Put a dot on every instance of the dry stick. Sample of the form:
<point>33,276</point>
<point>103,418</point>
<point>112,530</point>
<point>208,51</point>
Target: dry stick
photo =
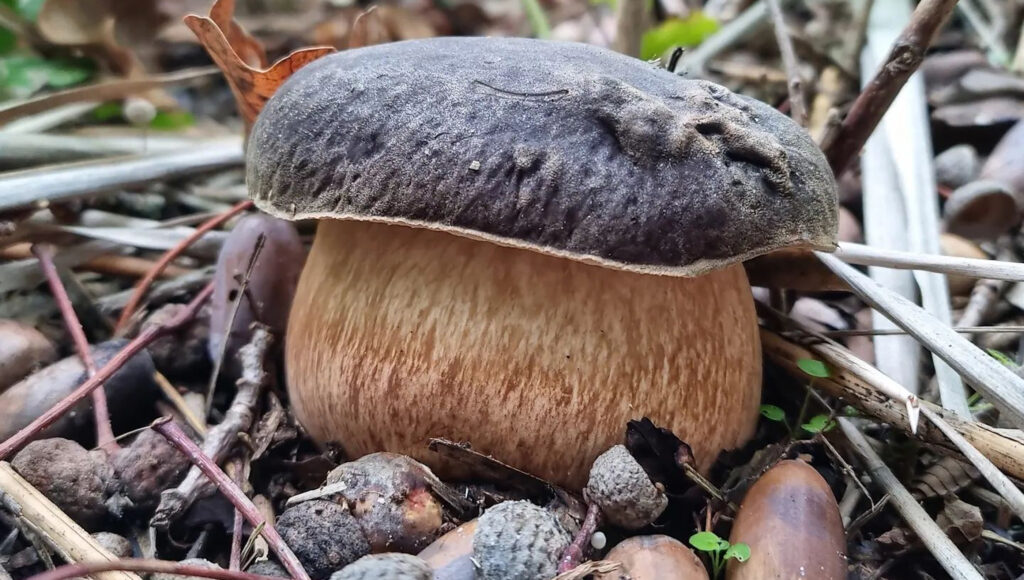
<point>101,92</point>
<point>1005,448</point>
<point>971,267</point>
<point>242,503</point>
<point>1007,490</point>
<point>631,22</point>
<point>573,555</point>
<point>151,566</point>
<point>221,438</point>
<point>144,284</point>
<point>797,106</point>
<point>235,557</point>
<point>937,542</point>
<point>104,432</point>
<point>996,382</point>
<point>906,56</point>
<point>1009,329</point>
<point>144,339</point>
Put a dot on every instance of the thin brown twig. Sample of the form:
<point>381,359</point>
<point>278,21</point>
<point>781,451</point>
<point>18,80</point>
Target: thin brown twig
<point>144,339</point>
<point>794,82</point>
<point>905,57</point>
<point>174,435</point>
<point>140,565</point>
<point>235,557</point>
<point>221,439</point>
<point>573,555</point>
<point>101,413</point>
<point>143,285</point>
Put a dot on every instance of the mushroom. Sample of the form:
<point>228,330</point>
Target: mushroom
<point>524,244</point>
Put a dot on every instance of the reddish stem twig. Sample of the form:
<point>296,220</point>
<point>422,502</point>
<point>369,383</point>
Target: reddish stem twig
<point>84,569</point>
<point>905,57</point>
<point>143,285</point>
<point>235,557</point>
<point>573,555</point>
<point>795,84</point>
<point>104,433</point>
<point>175,436</point>
<point>144,339</point>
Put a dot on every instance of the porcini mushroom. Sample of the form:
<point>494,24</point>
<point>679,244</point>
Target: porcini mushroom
<point>524,244</point>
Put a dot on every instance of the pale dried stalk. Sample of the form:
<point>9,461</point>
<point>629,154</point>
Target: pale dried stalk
<point>631,22</point>
<point>750,21</point>
<point>220,439</point>
<point>942,548</point>
<point>794,82</point>
<point>52,525</point>
<point>1005,448</point>
<point>997,383</point>
<point>870,256</point>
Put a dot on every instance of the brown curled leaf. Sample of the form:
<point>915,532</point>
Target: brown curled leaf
<point>243,60</point>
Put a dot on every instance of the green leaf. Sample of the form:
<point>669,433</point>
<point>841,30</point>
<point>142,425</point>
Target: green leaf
<point>686,32</point>
<point>739,551</point>
<point>21,76</point>
<point>8,40</point>
<point>108,111</point>
<point>818,424</point>
<point>29,9</point>
<point>815,368</point>
<point>172,120</point>
<point>773,413</point>
<point>999,356</point>
<point>708,542</point>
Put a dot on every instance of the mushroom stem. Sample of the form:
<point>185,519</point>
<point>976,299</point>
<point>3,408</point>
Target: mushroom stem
<point>400,334</point>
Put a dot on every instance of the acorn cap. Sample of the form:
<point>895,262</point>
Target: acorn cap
<point>389,566</point>
<point>566,149</point>
<point>516,540</point>
<point>623,491</point>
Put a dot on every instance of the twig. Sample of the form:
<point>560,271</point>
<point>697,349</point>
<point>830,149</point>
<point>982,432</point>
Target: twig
<point>906,56</point>
<point>997,51</point>
<point>1018,58</point>
<point>179,403</point>
<point>573,555</point>
<point>104,433</point>
<point>144,339</point>
<point>109,91</point>
<point>149,566</point>
<point>1007,490</point>
<point>221,438</point>
<point>1005,448</point>
<point>938,543</point>
<point>797,105</point>
<point>972,267</point>
<point>630,24</point>
<point>235,555</point>
<point>999,384</point>
<point>170,255</point>
<point>58,531</point>
<point>179,439</point>
<point>241,295</point>
<point>1008,329</point>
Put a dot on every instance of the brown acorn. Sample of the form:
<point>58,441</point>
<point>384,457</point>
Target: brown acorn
<point>791,521</point>
<point>655,557</point>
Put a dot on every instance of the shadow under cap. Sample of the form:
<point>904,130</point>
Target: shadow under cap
<point>561,148</point>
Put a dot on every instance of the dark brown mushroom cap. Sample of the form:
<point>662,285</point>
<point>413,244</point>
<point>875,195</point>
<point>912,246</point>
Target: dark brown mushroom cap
<point>562,148</point>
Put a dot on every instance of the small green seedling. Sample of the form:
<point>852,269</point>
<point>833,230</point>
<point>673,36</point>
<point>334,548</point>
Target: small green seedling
<point>818,424</point>
<point>815,368</point>
<point>999,356</point>
<point>719,551</point>
<point>773,413</point>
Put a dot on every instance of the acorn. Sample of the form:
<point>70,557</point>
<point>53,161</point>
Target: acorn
<point>791,521</point>
<point>389,566</point>
<point>621,488</point>
<point>451,555</point>
<point>324,536</point>
<point>390,496</point>
<point>22,350</point>
<point>654,557</point>
<point>517,540</point>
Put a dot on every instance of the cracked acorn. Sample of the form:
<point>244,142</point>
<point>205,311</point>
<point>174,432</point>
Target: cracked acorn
<point>540,284</point>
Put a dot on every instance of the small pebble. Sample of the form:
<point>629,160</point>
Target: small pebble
<point>199,562</point>
<point>117,545</point>
<point>74,479</point>
<point>957,166</point>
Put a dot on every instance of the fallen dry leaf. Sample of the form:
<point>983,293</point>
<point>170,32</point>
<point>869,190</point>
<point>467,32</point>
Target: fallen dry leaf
<point>234,50</point>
